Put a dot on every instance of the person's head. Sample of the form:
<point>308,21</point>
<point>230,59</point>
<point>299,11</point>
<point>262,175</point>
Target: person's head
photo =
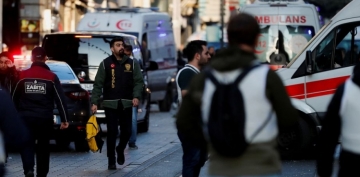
<point>6,61</point>
<point>128,50</point>
<point>38,54</point>
<point>117,45</point>
<point>211,50</point>
<point>196,51</point>
<point>243,30</point>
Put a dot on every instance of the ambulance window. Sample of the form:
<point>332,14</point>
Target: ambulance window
<point>340,48</point>
<point>161,44</point>
<point>323,53</point>
<point>347,50</point>
<point>287,40</point>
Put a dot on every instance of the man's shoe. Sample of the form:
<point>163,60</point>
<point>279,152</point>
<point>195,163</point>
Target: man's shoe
<point>29,174</point>
<point>112,167</point>
<point>120,156</point>
<point>133,146</point>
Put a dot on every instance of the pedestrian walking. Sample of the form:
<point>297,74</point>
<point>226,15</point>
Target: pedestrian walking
<point>8,76</point>
<point>341,120</point>
<point>34,96</point>
<point>12,129</point>
<point>8,73</point>
<point>195,155</point>
<point>120,81</point>
<point>231,107</point>
<point>132,141</point>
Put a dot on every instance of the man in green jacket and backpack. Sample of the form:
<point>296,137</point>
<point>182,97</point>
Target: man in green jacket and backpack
<point>120,81</point>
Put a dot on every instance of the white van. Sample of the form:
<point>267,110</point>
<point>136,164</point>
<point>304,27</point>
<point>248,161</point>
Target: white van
<point>155,34</point>
<point>312,76</point>
<point>286,27</point>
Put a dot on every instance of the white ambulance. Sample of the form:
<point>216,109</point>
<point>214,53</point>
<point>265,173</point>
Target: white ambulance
<point>154,31</point>
<point>312,76</point>
<point>286,27</point>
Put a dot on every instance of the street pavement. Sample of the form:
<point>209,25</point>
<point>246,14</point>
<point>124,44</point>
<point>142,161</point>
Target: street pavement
<point>159,155</point>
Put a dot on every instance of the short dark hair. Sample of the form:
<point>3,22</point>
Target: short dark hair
<point>243,29</point>
<point>7,55</point>
<point>128,47</point>
<point>193,48</point>
<point>116,39</point>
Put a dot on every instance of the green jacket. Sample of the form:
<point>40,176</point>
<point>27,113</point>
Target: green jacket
<point>100,80</point>
<point>259,158</point>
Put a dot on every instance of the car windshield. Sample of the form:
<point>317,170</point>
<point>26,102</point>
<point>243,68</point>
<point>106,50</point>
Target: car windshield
<point>83,53</point>
<point>64,73</point>
<point>285,40</point>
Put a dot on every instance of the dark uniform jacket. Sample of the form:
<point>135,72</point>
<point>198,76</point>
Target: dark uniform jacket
<point>117,80</point>
<point>37,90</point>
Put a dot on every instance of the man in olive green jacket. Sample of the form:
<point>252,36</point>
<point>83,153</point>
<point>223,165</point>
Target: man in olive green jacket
<point>264,92</point>
<point>119,80</point>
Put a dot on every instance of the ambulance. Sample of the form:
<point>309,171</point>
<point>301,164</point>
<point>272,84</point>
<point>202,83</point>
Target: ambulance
<point>286,27</point>
<point>154,31</point>
<point>312,76</point>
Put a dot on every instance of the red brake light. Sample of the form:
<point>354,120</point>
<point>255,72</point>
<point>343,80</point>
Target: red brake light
<point>78,95</point>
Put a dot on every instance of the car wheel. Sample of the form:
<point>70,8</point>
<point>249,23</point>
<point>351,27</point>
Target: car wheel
<point>297,143</point>
<point>165,105</point>
<point>144,126</point>
<point>81,145</point>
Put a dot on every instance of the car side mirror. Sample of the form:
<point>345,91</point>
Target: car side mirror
<point>152,65</point>
<point>309,62</point>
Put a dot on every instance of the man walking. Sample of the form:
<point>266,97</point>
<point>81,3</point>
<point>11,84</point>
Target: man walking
<point>194,155</point>
<point>34,96</point>
<point>342,118</point>
<point>132,141</point>
<point>120,81</point>
<point>263,94</point>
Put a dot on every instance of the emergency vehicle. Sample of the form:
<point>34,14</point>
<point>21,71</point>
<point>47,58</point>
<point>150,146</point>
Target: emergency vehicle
<point>154,31</point>
<point>286,27</point>
<point>311,77</point>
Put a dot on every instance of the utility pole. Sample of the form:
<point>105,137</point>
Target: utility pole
<point>222,14</point>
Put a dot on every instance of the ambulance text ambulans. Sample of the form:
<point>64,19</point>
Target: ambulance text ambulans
<point>286,27</point>
<point>154,31</point>
<point>312,76</point>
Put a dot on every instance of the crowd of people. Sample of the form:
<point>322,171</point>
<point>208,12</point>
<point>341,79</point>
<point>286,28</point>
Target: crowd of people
<point>217,120</point>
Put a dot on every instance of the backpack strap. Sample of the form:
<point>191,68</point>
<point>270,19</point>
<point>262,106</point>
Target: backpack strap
<point>262,126</point>
<point>241,76</point>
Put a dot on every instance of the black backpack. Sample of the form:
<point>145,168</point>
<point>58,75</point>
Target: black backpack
<point>225,127</point>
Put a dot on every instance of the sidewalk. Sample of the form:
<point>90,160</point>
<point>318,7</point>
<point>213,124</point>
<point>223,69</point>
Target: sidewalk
<point>161,137</point>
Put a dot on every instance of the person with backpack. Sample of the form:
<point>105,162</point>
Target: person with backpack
<point>194,156</point>
<point>231,107</point>
<point>341,118</point>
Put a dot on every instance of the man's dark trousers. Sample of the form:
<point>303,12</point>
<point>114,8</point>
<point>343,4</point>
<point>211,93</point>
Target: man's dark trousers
<point>40,130</point>
<point>115,117</point>
<point>194,157</point>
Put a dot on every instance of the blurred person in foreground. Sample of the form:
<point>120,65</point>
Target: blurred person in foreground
<point>12,129</point>
<point>341,120</point>
<point>194,155</point>
<point>34,96</point>
<point>263,94</point>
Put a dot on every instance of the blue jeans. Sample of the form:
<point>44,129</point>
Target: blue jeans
<point>134,126</point>
<point>193,158</point>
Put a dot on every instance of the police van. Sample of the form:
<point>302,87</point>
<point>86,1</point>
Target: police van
<point>286,27</point>
<point>155,34</point>
<point>312,76</point>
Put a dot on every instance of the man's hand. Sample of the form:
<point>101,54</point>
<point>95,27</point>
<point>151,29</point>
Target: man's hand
<point>135,102</point>
<point>93,108</point>
<point>64,125</point>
